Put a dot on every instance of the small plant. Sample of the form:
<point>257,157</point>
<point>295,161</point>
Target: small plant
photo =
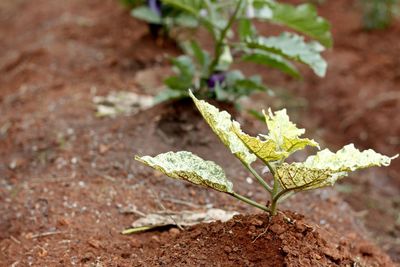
<point>231,25</point>
<point>283,139</point>
<point>161,17</point>
<point>378,14</point>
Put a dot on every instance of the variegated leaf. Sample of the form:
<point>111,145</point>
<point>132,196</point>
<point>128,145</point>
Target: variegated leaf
<point>326,167</point>
<point>187,166</point>
<point>222,125</point>
<point>347,159</point>
<point>285,133</point>
<point>266,150</point>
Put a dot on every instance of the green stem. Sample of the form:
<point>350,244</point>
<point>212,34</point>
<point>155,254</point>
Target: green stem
<point>258,177</point>
<point>275,199</point>
<point>209,11</point>
<point>272,207</point>
<point>275,187</point>
<point>271,169</point>
<point>286,196</point>
<point>220,43</point>
<point>250,202</point>
<point>280,194</point>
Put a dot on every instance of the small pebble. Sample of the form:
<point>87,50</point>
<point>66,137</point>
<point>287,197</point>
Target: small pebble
<point>277,229</point>
<point>174,231</point>
<point>227,249</point>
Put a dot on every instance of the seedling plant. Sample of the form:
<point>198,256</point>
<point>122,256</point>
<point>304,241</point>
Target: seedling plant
<point>273,149</point>
<point>231,26</point>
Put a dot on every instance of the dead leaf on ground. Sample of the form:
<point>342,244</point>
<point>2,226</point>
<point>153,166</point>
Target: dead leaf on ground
<point>121,102</point>
<point>182,218</point>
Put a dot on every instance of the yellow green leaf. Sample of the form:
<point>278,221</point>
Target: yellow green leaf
<point>222,125</point>
<point>285,133</point>
<point>266,150</point>
<point>184,165</point>
<point>347,159</point>
<point>295,176</point>
<point>326,167</point>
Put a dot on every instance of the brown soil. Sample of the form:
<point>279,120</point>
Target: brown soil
<point>69,184</point>
<point>257,240</point>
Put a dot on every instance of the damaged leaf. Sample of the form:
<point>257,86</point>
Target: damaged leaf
<point>347,159</point>
<point>121,102</point>
<point>187,166</point>
<point>222,125</point>
<point>326,167</point>
<point>183,218</point>
<point>285,133</point>
<point>265,150</point>
<point>282,139</point>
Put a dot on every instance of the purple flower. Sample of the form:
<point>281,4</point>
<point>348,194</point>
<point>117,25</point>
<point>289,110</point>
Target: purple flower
<point>155,6</point>
<point>215,78</point>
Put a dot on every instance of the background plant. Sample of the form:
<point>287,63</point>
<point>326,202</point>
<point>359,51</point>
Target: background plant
<point>283,138</point>
<point>162,18</point>
<point>231,25</point>
<point>378,14</point>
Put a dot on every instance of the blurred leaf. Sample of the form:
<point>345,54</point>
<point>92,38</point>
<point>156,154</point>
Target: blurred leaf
<point>146,14</point>
<point>184,66</point>
<point>245,29</point>
<point>186,20</point>
<point>168,94</point>
<point>250,85</point>
<point>202,56</point>
<point>256,114</point>
<point>272,60</point>
<point>178,83</point>
<point>303,18</point>
<point>194,8</point>
<point>378,14</point>
<point>292,46</point>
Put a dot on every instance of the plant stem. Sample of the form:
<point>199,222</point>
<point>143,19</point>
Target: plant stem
<point>250,202</point>
<point>281,193</point>
<point>286,196</point>
<point>275,200</point>
<point>272,207</point>
<point>275,187</point>
<point>220,43</point>
<point>209,10</point>
<point>271,169</point>
<point>258,177</point>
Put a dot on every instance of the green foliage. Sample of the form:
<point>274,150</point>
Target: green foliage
<point>304,19</point>
<point>231,25</point>
<point>283,138</point>
<point>293,47</point>
<point>378,14</point>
